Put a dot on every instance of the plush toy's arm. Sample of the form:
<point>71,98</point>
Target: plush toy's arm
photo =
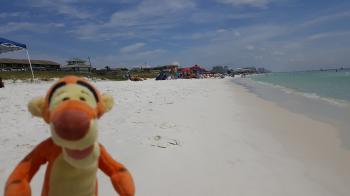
<point>18,182</point>
<point>120,176</point>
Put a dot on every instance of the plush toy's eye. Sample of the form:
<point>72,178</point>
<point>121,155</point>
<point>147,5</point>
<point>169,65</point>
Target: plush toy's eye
<point>82,99</point>
<point>65,99</point>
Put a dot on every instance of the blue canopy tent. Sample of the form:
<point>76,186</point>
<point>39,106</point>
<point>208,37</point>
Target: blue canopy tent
<point>9,46</point>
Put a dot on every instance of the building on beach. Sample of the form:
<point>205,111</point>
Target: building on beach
<point>77,64</point>
<point>7,64</point>
<point>245,70</point>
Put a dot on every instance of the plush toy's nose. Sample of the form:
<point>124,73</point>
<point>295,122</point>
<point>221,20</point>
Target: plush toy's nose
<point>71,124</point>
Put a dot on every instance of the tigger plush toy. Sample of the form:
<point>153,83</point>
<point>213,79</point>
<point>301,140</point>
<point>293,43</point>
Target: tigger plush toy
<point>71,107</point>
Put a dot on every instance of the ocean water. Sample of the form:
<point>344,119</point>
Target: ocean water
<point>323,84</point>
<point>322,96</point>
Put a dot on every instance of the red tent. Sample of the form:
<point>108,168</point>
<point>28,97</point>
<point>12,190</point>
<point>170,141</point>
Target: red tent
<point>186,70</point>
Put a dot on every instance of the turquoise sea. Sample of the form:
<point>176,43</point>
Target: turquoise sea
<point>320,95</point>
<point>328,84</point>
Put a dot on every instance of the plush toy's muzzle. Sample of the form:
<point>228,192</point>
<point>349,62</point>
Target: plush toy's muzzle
<point>73,125</point>
<point>71,120</point>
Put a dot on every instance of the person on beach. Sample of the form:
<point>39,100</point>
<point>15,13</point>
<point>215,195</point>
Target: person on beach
<point>1,83</point>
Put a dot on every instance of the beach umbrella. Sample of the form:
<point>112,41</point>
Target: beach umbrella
<point>10,46</point>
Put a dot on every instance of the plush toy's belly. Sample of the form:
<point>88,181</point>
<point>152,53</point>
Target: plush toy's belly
<point>66,180</point>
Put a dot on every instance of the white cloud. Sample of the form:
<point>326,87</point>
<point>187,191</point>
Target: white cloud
<point>234,40</point>
<point>278,53</point>
<point>195,36</point>
<point>326,19</point>
<point>250,47</point>
<point>254,3</point>
<point>132,47</point>
<point>150,53</point>
<point>150,57</point>
<point>327,35</point>
<point>27,26</point>
<point>203,16</point>
<point>246,35</point>
<point>157,11</point>
<point>12,14</point>
<point>271,46</point>
<point>64,7</point>
<point>208,35</point>
<point>148,18</point>
<point>15,26</point>
<point>59,24</point>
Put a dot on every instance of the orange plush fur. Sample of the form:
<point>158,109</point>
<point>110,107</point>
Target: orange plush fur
<point>71,108</point>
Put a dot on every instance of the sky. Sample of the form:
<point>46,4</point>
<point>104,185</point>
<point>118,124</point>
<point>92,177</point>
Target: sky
<point>280,35</point>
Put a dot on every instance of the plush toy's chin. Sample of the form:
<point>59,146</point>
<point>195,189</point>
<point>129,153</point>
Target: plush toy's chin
<point>82,158</point>
<point>79,154</point>
<point>82,153</point>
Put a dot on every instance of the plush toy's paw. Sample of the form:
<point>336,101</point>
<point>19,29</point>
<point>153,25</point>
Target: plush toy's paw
<point>17,188</point>
<point>124,184</point>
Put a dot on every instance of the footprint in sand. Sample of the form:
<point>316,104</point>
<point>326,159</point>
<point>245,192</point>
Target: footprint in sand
<point>161,142</point>
<point>167,125</point>
<point>27,146</point>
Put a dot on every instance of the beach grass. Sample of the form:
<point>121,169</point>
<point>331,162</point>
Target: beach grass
<point>47,75</point>
<point>22,75</point>
<point>144,73</point>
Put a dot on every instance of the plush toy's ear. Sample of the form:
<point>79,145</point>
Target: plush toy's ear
<point>108,102</point>
<point>36,106</point>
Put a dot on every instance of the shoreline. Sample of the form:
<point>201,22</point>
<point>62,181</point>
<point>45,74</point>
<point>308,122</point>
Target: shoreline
<point>312,141</point>
<point>327,110</point>
<point>195,137</point>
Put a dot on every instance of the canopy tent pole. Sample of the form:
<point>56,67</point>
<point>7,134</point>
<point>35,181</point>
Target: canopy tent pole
<point>8,46</point>
<point>30,64</point>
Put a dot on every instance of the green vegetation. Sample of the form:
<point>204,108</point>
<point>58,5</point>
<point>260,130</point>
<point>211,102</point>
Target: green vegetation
<point>117,75</point>
<point>220,69</point>
<point>47,75</point>
<point>144,73</point>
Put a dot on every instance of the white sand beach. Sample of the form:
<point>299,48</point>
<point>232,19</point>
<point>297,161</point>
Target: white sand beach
<point>193,137</point>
